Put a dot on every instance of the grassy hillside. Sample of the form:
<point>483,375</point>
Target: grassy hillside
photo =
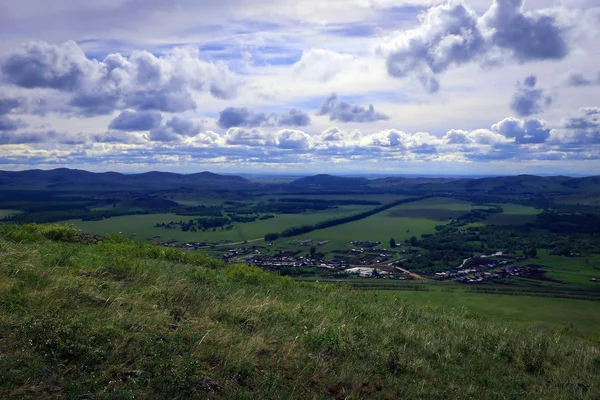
<point>90,317</point>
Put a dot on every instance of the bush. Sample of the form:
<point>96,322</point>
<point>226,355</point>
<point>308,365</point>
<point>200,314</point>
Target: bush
<point>35,232</point>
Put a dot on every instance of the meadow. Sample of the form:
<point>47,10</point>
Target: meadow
<point>513,214</point>
<point>555,313</point>
<point>8,213</point>
<point>576,270</point>
<point>121,320</point>
<point>143,225</point>
<point>401,223</point>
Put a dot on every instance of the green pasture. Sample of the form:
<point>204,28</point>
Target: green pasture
<point>8,213</point>
<point>143,225</point>
<point>513,214</point>
<point>400,222</point>
<point>535,311</point>
<point>576,270</point>
<point>382,198</point>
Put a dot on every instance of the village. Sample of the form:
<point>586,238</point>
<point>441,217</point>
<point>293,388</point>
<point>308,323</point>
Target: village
<point>363,259</point>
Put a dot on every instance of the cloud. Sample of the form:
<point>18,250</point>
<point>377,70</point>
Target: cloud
<point>130,120</point>
<point>10,124</point>
<point>116,137</point>
<point>322,65</point>
<point>448,35</point>
<point>340,110</point>
<point>8,104</point>
<point>578,79</point>
<point>42,65</point>
<point>529,36</point>
<point>292,139</point>
<point>174,130</point>
<point>523,131</point>
<point>141,81</point>
<point>528,100</point>
<point>242,117</point>
<point>476,137</point>
<point>184,127</point>
<point>584,128</point>
<point>248,137</point>
<point>452,34</point>
<point>26,137</point>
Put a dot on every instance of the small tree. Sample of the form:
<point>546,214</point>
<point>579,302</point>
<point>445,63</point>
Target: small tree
<point>392,243</point>
<point>530,252</point>
<point>313,250</point>
<point>414,241</point>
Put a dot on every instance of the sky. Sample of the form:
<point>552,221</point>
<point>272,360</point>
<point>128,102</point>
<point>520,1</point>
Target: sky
<point>311,86</point>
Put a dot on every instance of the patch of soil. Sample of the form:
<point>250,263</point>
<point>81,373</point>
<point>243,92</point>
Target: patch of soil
<point>538,272</point>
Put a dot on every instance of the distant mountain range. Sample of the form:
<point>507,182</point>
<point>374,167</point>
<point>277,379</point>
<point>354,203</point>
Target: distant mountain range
<point>74,179</point>
<point>64,179</point>
<point>523,184</point>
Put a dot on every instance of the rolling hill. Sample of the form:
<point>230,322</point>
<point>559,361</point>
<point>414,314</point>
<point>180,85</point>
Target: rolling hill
<point>72,180</point>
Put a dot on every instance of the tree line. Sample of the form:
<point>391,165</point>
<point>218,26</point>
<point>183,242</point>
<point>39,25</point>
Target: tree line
<point>300,230</point>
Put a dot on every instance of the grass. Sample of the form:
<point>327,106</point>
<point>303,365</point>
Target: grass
<point>513,214</point>
<point>121,320</point>
<point>143,225</point>
<point>400,222</point>
<point>8,213</point>
<point>545,312</point>
<point>574,270</point>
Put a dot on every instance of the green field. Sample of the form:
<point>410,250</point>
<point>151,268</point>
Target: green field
<point>8,213</point>
<point>400,222</point>
<point>513,214</point>
<point>143,225</point>
<point>577,270</point>
<point>120,319</point>
<point>530,310</point>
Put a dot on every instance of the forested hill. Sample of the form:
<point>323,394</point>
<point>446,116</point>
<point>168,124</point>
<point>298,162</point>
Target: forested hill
<point>90,317</point>
<point>504,185</point>
<point>73,179</point>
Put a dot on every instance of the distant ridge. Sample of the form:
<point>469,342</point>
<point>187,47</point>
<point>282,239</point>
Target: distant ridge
<point>330,181</point>
<point>71,179</point>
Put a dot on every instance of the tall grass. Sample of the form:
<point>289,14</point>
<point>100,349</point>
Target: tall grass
<point>124,320</point>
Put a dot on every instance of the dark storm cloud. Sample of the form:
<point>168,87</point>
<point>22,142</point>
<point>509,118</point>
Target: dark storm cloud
<point>130,120</point>
<point>142,81</point>
<point>452,34</point>
<point>340,110</point>
<point>242,117</point>
<point>528,99</point>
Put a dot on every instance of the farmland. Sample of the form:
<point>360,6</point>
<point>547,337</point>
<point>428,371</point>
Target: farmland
<point>401,223</point>
<point>144,226</point>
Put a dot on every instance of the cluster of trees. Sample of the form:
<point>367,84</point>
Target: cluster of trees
<point>291,205</point>
<point>568,223</point>
<point>196,224</point>
<point>200,211</point>
<point>453,243</point>
<point>250,218</point>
